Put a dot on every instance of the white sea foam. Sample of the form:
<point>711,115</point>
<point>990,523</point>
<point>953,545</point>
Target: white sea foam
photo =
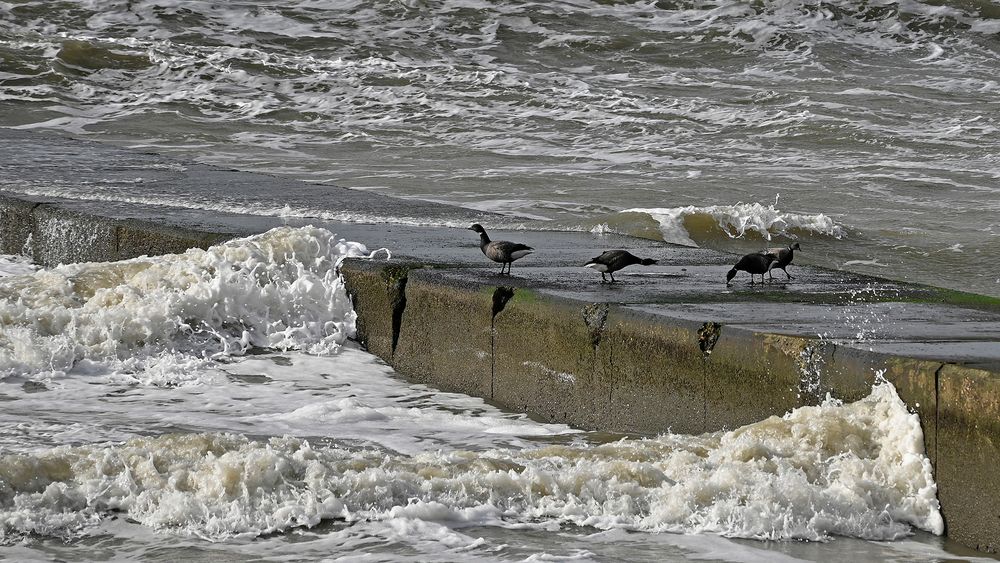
<point>680,224</point>
<point>15,265</point>
<point>837,469</point>
<point>146,316</point>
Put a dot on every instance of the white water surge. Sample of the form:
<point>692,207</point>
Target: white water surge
<point>325,452</point>
<point>278,290</point>
<point>856,470</point>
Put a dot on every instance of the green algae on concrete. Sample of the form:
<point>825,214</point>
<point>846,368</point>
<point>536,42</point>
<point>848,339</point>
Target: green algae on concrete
<point>544,359</point>
<point>968,450</point>
<point>445,335</point>
<point>752,376</point>
<point>377,293</point>
<point>656,371</point>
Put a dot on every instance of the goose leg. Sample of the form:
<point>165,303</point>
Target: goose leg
<point>612,274</point>
<point>604,279</point>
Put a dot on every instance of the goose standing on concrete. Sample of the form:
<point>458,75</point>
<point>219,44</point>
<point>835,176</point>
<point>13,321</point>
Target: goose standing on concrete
<point>782,258</point>
<point>753,264</point>
<point>613,260</point>
<point>502,251</point>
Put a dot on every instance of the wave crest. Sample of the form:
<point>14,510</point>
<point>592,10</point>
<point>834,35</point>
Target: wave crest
<point>279,289</point>
<point>689,224</point>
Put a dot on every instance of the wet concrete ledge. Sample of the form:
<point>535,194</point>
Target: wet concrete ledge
<point>668,348</point>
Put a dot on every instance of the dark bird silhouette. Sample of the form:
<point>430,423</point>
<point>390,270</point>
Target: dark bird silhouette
<point>754,264</point>
<point>613,260</point>
<point>782,257</point>
<point>502,251</point>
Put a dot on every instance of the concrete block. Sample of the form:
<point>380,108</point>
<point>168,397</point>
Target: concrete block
<point>16,226</point>
<point>445,334</point>
<point>656,373</point>
<point>61,236</point>
<point>139,238</point>
<point>752,376</point>
<point>968,450</point>
<point>545,352</point>
<point>377,291</point>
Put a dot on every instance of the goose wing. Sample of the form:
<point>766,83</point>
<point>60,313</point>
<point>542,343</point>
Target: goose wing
<point>606,257</point>
<point>506,251</point>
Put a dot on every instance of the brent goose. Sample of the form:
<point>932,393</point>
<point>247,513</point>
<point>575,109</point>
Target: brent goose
<point>613,260</point>
<point>501,251</point>
<point>754,264</point>
<point>782,258</point>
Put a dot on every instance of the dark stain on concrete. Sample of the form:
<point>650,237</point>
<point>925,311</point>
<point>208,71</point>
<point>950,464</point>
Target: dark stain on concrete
<point>708,335</point>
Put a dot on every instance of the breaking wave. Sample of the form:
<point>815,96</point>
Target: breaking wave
<point>855,470</point>
<point>277,290</point>
<point>692,224</point>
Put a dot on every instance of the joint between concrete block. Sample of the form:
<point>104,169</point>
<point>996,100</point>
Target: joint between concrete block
<point>398,307</point>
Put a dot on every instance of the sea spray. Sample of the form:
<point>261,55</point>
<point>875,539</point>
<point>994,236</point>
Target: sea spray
<point>277,290</point>
<point>835,469</point>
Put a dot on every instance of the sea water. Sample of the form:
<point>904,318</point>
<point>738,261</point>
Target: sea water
<point>212,405</point>
<point>866,130</point>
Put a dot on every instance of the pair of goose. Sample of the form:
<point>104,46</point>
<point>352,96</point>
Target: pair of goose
<point>506,252</point>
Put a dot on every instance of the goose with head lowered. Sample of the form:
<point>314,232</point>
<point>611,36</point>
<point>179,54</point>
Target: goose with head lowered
<point>755,264</point>
<point>611,261</point>
<point>502,251</point>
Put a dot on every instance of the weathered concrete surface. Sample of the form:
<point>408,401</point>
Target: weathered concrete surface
<point>54,234</point>
<point>456,355</point>
<point>968,447</point>
<point>671,347</point>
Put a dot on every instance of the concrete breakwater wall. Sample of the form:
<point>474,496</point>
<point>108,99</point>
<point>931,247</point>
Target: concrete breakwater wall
<point>52,234</point>
<point>613,367</point>
<point>598,363</point>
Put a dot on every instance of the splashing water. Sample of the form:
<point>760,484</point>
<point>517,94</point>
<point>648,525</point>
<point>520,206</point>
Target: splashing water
<point>277,290</point>
<point>855,470</point>
<point>679,224</point>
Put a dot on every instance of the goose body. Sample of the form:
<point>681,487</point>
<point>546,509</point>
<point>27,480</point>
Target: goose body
<point>782,257</point>
<point>757,263</point>
<point>611,261</point>
<point>502,251</point>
